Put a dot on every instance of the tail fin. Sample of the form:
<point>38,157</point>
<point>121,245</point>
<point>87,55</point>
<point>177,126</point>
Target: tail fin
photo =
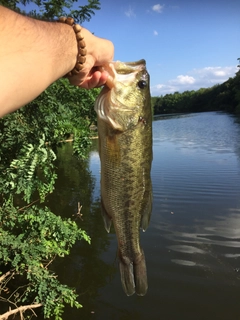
<point>133,275</point>
<point>140,275</point>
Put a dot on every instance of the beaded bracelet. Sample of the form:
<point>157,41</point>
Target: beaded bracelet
<point>82,51</point>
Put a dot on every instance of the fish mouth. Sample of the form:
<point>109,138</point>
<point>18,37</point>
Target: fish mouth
<point>117,90</point>
<point>136,63</point>
<point>122,71</point>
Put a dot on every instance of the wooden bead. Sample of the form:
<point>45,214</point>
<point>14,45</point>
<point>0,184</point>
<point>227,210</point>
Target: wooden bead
<point>77,28</point>
<point>81,59</point>
<point>62,19</point>
<point>79,66</point>
<point>69,21</point>
<point>83,51</point>
<point>74,72</point>
<point>81,44</point>
<point>79,36</point>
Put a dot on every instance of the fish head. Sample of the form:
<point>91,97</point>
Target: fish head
<point>126,96</point>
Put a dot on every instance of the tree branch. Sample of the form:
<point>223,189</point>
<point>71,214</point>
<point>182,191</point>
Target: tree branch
<point>19,309</point>
<point>4,276</point>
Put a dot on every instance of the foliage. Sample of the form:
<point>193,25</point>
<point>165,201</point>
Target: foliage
<point>54,8</point>
<point>20,178</point>
<point>29,253</point>
<point>223,97</point>
<point>31,236</point>
<point>62,111</point>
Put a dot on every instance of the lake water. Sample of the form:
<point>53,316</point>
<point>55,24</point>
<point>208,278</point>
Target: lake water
<point>192,245</point>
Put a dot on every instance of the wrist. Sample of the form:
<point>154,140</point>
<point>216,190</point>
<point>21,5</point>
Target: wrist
<point>99,49</point>
<point>81,45</point>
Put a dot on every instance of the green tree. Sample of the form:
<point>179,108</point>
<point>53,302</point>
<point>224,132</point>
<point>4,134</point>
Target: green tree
<point>53,9</point>
<point>223,97</point>
<point>31,235</point>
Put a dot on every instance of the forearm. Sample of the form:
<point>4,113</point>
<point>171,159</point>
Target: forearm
<point>36,52</point>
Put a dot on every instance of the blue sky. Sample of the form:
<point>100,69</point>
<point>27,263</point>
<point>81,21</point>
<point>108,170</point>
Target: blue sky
<point>187,44</point>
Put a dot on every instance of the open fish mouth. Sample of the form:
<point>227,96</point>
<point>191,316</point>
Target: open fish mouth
<point>124,72</point>
<point>117,104</point>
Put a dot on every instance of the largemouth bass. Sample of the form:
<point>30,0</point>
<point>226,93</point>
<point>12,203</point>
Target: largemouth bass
<point>125,148</point>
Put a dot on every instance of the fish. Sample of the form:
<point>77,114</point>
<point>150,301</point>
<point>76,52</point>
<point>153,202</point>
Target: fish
<point>124,121</point>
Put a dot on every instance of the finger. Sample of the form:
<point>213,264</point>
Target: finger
<point>97,79</point>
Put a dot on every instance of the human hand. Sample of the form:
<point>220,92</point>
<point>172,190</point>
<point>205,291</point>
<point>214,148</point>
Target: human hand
<point>99,51</point>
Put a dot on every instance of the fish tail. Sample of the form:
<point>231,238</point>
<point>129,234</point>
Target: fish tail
<point>140,274</point>
<point>133,275</point>
<point>127,276</point>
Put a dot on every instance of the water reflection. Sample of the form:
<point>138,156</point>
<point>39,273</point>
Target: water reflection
<point>84,268</point>
<point>198,208</point>
<point>192,246</point>
<point>211,131</point>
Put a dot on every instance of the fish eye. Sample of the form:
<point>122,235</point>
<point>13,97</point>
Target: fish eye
<point>142,84</point>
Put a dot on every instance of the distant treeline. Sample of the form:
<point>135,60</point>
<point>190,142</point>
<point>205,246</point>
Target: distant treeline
<point>222,97</point>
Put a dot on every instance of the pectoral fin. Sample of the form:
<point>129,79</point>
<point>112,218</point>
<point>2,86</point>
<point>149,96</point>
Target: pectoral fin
<point>146,209</point>
<point>106,218</point>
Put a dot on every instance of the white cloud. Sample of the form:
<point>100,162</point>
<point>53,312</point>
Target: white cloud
<point>195,79</point>
<point>215,73</point>
<point>158,8</point>
<point>183,80</point>
<point>155,33</point>
<point>220,73</point>
<point>130,12</point>
<point>162,89</point>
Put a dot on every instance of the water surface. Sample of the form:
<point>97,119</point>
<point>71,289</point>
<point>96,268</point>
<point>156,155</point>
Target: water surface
<point>192,245</point>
